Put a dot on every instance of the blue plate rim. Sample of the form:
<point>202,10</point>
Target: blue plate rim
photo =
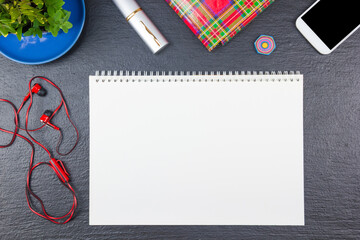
<point>59,55</point>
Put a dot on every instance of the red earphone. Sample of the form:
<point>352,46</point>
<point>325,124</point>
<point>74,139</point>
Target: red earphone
<point>56,165</point>
<point>45,118</point>
<point>37,89</point>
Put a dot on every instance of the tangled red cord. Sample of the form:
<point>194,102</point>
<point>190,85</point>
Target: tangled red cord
<point>56,165</point>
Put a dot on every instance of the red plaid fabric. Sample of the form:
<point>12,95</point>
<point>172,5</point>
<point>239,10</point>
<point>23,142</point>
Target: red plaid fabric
<point>217,21</point>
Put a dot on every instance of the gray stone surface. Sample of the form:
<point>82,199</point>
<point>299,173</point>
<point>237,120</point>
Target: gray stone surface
<point>331,122</point>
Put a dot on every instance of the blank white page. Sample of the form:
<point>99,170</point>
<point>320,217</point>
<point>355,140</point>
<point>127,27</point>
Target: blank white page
<point>196,150</point>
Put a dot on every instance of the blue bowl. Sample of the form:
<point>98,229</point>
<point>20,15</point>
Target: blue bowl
<point>34,50</point>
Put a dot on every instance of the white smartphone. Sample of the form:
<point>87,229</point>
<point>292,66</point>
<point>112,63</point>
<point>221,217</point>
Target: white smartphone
<point>328,23</point>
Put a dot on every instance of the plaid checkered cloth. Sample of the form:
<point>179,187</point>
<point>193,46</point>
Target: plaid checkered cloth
<point>217,21</point>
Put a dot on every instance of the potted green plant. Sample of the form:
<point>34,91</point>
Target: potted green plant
<point>33,17</point>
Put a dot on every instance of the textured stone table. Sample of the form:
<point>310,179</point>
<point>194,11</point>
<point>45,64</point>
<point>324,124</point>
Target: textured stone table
<point>331,122</point>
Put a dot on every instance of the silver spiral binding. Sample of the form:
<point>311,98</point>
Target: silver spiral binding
<point>197,76</point>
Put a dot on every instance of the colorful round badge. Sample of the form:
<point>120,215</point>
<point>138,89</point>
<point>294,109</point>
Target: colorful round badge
<point>265,45</point>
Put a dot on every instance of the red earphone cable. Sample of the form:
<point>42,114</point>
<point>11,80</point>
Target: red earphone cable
<point>58,220</point>
<point>63,103</point>
<point>16,119</point>
<point>29,192</point>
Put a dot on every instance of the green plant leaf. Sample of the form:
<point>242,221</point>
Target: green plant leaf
<point>28,32</point>
<point>4,32</point>
<point>54,30</point>
<point>65,29</point>
<point>67,15</point>
<point>15,14</point>
<point>32,17</point>
<point>19,33</point>
<point>7,27</point>
<point>53,6</point>
<point>39,32</point>
<point>36,24</point>
<point>39,3</point>
<point>58,15</point>
<point>68,25</point>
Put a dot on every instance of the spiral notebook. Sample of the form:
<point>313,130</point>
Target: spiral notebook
<point>199,148</point>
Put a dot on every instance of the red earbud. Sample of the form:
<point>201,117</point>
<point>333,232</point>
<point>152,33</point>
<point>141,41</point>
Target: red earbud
<point>37,89</point>
<point>45,118</point>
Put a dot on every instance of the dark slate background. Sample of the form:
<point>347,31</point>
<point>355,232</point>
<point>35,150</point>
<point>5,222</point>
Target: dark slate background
<point>331,122</point>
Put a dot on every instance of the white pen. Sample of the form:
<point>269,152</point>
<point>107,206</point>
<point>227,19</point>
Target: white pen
<point>142,24</point>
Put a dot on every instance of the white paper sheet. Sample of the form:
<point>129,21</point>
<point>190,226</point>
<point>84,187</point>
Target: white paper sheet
<point>198,152</point>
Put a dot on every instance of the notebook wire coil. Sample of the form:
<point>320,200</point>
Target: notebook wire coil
<point>197,76</point>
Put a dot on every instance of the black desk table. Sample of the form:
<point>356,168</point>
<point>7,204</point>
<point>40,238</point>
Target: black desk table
<point>331,122</point>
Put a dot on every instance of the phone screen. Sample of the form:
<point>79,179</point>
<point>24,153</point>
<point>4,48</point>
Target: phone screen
<point>333,20</point>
